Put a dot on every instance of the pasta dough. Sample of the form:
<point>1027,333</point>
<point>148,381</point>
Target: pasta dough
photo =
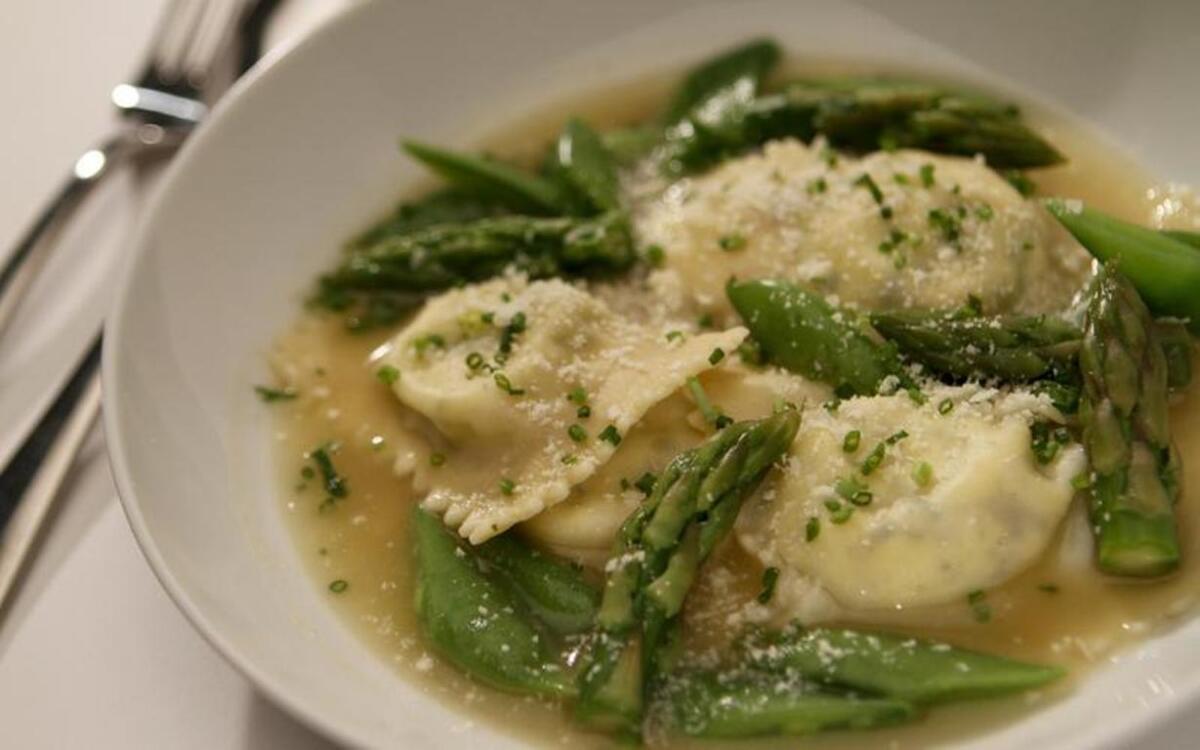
<point>501,370</point>
<point>922,231</point>
<point>981,512</point>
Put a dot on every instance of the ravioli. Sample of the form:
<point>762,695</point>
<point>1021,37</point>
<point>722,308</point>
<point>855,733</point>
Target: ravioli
<point>919,230</point>
<point>502,370</point>
<point>957,504</point>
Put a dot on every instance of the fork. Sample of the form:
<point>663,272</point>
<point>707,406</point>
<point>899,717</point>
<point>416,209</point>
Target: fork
<point>158,109</point>
<point>192,47</point>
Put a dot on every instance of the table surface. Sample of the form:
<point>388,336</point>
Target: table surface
<point>92,652</point>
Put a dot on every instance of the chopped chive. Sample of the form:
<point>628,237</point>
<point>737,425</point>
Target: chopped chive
<point>431,340</point>
<point>716,356</point>
<point>577,433</point>
<point>979,606</point>
<point>851,441</point>
<point>865,180</point>
<point>474,322</point>
<point>770,578</point>
<point>569,460</point>
<point>387,374</point>
<point>817,186</point>
<point>645,482</point>
<point>504,384</point>
<point>515,327</point>
<point>829,156</point>
<point>873,459</point>
<point>307,472</point>
<point>896,437</point>
<point>507,486</point>
<point>922,474</point>
<point>475,361</point>
<point>945,406</point>
<point>731,242</point>
<point>609,434</point>
<point>705,320</point>
<point>338,586</point>
<point>841,515</point>
<point>949,225</point>
<point>583,412</point>
<point>926,174</point>
<point>655,255</point>
<point>437,459</point>
<point>812,529</point>
<point>900,179</point>
<point>674,335</point>
<point>271,395</point>
<point>1049,588</point>
<point>853,491</point>
<point>335,484</point>
<point>984,212</point>
<point>578,395</point>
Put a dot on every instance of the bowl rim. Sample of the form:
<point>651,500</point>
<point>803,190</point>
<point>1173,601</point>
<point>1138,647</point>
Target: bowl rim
<point>268,67</point>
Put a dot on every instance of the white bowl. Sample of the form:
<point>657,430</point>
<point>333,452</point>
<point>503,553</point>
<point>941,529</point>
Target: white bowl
<point>303,153</point>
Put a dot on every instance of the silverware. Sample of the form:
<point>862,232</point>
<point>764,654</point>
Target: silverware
<point>196,41</point>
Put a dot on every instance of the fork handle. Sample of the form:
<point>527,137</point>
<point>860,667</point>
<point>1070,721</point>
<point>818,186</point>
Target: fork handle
<point>31,251</point>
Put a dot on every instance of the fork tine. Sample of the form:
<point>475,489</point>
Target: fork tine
<point>178,27</point>
<point>210,34</point>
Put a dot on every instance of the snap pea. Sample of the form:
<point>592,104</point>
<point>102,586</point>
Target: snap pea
<point>900,667</point>
<point>583,163</point>
<point>742,703</point>
<point>475,623</point>
<point>446,206</point>
<point>1164,269</point>
<point>802,332</point>
<point>492,179</point>
<point>734,73</point>
<point>553,590</point>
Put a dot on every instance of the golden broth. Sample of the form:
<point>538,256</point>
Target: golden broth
<point>1045,614</point>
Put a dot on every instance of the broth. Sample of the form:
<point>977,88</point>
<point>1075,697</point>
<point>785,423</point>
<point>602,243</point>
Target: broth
<point>1046,614</point>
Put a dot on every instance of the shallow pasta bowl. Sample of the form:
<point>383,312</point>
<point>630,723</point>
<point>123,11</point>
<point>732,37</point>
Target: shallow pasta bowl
<point>303,153</point>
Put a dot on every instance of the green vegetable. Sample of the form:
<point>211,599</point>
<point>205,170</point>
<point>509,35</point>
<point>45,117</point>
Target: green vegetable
<point>475,623</point>
<point>492,180</point>
<point>400,271</point>
<point>335,484</point>
<point>446,206</point>
<point>1011,348</point>
<point>1177,347</point>
<point>271,395</point>
<point>659,551</point>
<point>1124,416</point>
<point>1164,269</point>
<point>741,703</point>
<point>802,332</point>
<point>627,145</point>
<point>584,164</point>
<point>865,114</point>
<point>1184,236</point>
<point>554,591</point>
<point>894,666</point>
<point>734,74</point>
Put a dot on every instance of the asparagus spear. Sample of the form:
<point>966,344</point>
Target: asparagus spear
<point>1177,348</point>
<point>1124,415</point>
<point>737,73</point>
<point>898,667</point>
<point>398,272</point>
<point>475,623</point>
<point>552,590</point>
<point>1165,270</point>
<point>805,334</point>
<point>446,206</point>
<point>864,115</point>
<point>742,703</point>
<point>583,163</point>
<point>659,550</point>
<point>1012,348</point>
<point>492,179</point>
